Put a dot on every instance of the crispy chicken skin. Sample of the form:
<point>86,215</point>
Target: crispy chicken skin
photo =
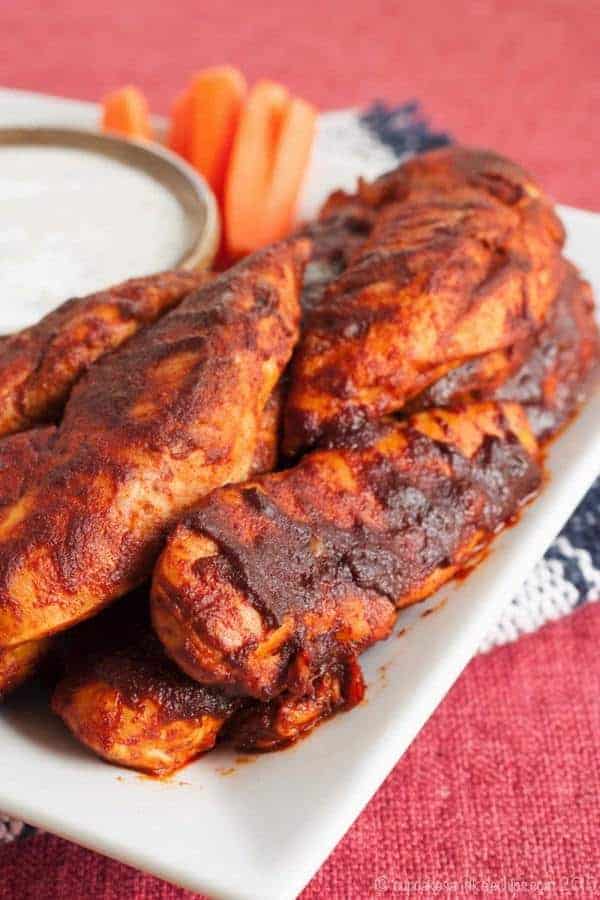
<point>40,365</point>
<point>550,374</point>
<point>265,585</point>
<point>19,456</point>
<point>149,430</point>
<point>463,258</point>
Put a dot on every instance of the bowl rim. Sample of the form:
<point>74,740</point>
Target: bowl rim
<point>171,171</point>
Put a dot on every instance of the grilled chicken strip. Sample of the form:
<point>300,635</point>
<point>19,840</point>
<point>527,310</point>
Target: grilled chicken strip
<point>20,454</point>
<point>550,374</point>
<point>267,584</point>
<point>463,259</point>
<point>266,450</point>
<point>124,699</point>
<point>40,365</point>
<point>148,431</point>
<point>261,727</point>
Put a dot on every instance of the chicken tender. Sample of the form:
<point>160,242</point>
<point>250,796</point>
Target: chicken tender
<point>40,365</point>
<point>550,374</point>
<point>18,664</point>
<point>20,458</point>
<point>463,259</point>
<point>562,368</point>
<point>147,432</point>
<point>267,584</point>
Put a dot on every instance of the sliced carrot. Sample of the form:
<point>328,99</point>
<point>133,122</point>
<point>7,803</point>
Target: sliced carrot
<point>179,131</point>
<point>216,100</point>
<point>125,111</point>
<point>291,160</point>
<point>251,164</point>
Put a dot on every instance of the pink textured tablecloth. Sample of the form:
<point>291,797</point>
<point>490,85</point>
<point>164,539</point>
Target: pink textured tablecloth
<point>499,793</point>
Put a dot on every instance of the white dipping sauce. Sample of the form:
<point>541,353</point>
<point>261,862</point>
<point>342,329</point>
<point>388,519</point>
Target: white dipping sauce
<point>73,222</point>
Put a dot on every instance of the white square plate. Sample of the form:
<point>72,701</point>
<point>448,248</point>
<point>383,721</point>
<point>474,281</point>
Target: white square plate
<point>261,830</point>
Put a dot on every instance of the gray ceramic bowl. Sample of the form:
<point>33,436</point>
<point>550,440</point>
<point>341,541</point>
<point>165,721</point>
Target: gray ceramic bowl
<point>188,187</point>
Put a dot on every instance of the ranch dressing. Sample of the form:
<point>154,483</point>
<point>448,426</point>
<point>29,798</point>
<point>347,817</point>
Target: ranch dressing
<point>73,222</point>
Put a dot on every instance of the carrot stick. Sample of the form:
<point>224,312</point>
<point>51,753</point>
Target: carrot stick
<point>179,131</point>
<point>290,163</point>
<point>252,161</point>
<point>125,111</point>
<point>216,99</point>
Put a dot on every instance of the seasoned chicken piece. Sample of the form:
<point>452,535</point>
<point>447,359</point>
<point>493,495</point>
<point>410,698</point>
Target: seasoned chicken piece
<point>279,723</point>
<point>126,701</point>
<point>335,239</point>
<point>266,451</point>
<point>40,365</point>
<point>265,585</point>
<point>19,457</point>
<point>463,259</point>
<point>127,726</point>
<point>550,374</point>
<point>149,430</point>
